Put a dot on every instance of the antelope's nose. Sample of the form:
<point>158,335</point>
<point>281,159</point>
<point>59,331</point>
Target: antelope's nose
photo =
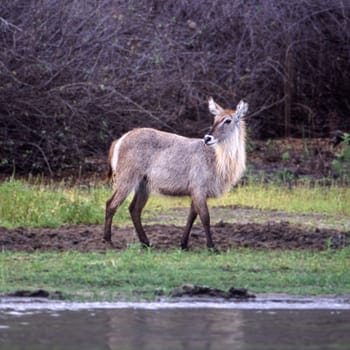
<point>208,139</point>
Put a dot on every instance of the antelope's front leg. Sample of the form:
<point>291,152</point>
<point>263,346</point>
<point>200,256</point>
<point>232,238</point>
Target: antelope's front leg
<point>201,207</point>
<point>190,220</point>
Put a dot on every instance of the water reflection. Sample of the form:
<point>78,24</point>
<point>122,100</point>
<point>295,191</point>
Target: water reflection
<point>193,329</point>
<point>175,329</point>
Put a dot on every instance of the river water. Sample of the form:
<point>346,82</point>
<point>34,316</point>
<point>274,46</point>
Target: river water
<point>249,326</point>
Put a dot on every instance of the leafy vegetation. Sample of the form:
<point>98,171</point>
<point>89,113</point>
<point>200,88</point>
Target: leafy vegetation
<point>341,165</point>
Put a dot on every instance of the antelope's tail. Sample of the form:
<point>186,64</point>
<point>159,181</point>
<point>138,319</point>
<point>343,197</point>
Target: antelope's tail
<point>109,164</point>
<point>108,174</point>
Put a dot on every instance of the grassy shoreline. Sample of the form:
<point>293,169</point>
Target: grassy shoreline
<point>143,275</point>
<point>134,275</point>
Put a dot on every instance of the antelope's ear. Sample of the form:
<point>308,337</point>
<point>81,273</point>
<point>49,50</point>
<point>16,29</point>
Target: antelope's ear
<point>242,109</point>
<point>214,108</point>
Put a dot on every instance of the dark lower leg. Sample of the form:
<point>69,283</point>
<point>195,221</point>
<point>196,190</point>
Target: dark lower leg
<point>108,220</point>
<point>111,207</point>
<point>135,208</point>
<point>202,209</point>
<point>190,220</point>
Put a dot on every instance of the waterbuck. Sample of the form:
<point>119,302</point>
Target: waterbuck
<point>146,160</point>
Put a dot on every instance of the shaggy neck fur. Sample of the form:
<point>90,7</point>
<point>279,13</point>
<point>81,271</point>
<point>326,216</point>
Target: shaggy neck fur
<point>231,157</point>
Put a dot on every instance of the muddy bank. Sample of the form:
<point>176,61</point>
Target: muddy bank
<point>88,238</point>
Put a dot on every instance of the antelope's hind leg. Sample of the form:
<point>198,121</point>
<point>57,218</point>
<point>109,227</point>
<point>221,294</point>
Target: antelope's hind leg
<point>136,206</point>
<point>112,205</point>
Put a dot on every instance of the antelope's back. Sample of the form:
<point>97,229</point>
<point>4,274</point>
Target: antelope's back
<point>170,163</point>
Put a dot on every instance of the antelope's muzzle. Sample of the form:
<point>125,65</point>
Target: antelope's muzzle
<point>209,140</point>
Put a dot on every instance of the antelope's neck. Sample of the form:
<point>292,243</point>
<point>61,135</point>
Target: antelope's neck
<point>231,158</point>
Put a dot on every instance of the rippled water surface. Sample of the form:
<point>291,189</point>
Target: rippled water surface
<point>168,327</point>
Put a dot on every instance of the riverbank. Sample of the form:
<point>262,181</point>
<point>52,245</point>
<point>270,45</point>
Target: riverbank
<point>135,274</point>
<point>273,239</point>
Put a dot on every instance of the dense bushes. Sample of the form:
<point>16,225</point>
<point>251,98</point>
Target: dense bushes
<point>76,74</point>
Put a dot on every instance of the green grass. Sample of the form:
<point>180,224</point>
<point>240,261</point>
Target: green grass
<point>135,275</point>
<point>39,205</point>
<point>131,274</point>
<point>333,200</point>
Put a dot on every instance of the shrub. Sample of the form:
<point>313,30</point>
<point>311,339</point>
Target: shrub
<point>75,75</point>
<point>341,165</point>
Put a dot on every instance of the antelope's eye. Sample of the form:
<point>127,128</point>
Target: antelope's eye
<point>227,121</point>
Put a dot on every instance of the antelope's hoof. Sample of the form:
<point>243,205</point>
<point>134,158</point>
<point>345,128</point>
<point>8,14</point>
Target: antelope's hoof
<point>184,247</point>
<point>108,243</point>
<point>213,250</point>
<point>146,245</point>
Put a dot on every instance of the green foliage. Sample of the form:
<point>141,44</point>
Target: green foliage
<point>285,176</point>
<point>341,165</point>
<point>285,156</point>
<point>144,274</point>
<point>272,152</point>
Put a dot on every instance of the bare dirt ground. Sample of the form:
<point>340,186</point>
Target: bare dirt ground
<point>260,233</point>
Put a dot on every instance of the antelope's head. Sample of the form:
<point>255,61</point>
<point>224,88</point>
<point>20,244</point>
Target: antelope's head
<point>227,122</point>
